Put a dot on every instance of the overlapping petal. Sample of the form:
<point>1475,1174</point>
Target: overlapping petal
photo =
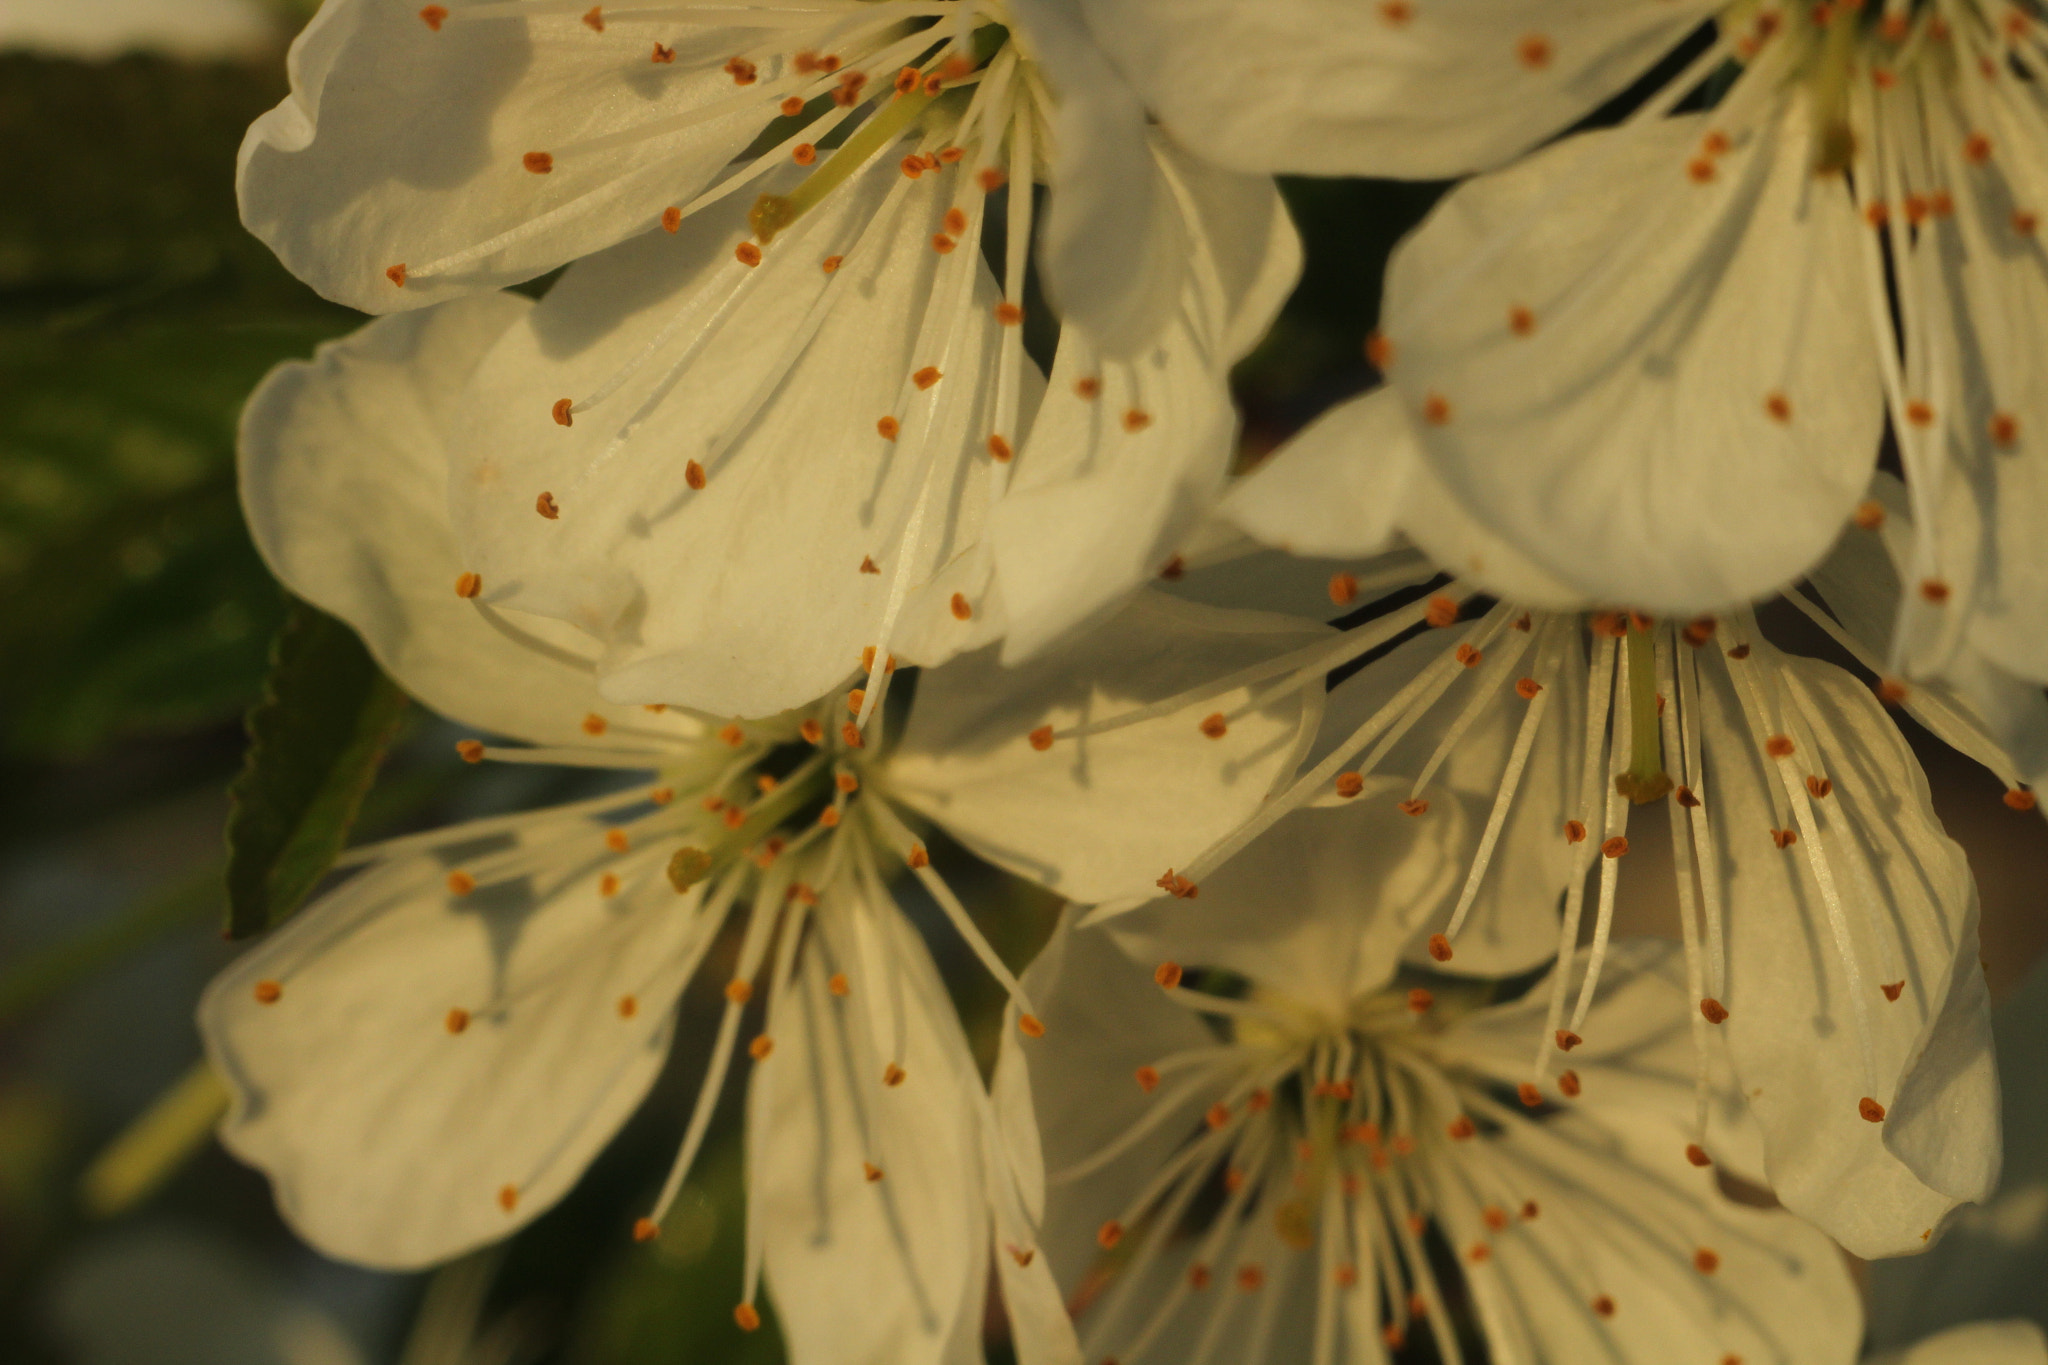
<point>1336,87</point>
<point>404,143</point>
<point>1647,366</point>
<point>344,480</point>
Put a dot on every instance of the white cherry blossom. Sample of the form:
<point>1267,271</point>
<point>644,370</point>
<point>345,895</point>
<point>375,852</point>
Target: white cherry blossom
<point>1269,1148</point>
<point>1658,358</point>
<point>1830,922</point>
<point>785,404</point>
<point>431,1053</point>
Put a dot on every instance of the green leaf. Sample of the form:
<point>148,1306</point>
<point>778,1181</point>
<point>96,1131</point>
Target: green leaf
<point>316,739</point>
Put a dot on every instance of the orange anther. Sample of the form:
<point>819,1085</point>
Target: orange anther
<point>1778,406</point>
<point>1041,738</point>
<point>468,585</point>
<point>912,166</point>
<point>1177,886</point>
<point>1136,420</point>
<point>1396,12</point>
<point>831,263</point>
<point>747,254</point>
<point>1892,989</point>
<point>1567,1040</point>
<point>268,992</point>
<point>871,1171</point>
<point>1529,1095</point>
<point>1877,213</point>
<point>849,735</point>
<point>593,18</point>
<point>1441,611</point>
<point>803,154</point>
<point>540,163</point>
<point>645,1229</point>
<point>990,179</point>
<point>1701,169</point>
<point>2024,221</point>
<point>1714,1011</point>
<point>746,1315</point>
<point>594,725</point>
<point>1087,386</point>
<point>472,750</point>
<point>1568,1082</point>
<point>837,984</point>
<point>908,80</point>
<point>1379,351</point>
<point>1343,589</point>
<point>1009,314</point>
<point>760,1047</point>
<point>2019,798</point>
<point>1686,797</point>
<point>741,70</point>
<point>1167,974</point>
<point>1478,1253</point>
<point>1439,948</point>
<point>1706,1261</point>
<point>739,990</point>
<point>1350,784</point>
<point>892,1075</point>
<point>1527,688</point>
<point>1031,1026</point>
<point>1778,746</point>
<point>999,449</point>
<point>926,377</point>
<point>1495,1217</point>
<point>792,106</point>
<point>1919,413</point>
<point>1419,1001</point>
<point>433,16</point>
<point>1615,848</point>
<point>1521,321</point>
<point>1533,51</point>
<point>1819,788</point>
<point>1697,1155</point>
<point>1603,1305</point>
<point>846,782</point>
<point>1784,838</point>
<point>563,412</point>
<point>1574,831</point>
<point>2003,428</point>
<point>508,1197</point>
<point>917,857</point>
<point>664,56</point>
<point>1872,1111</point>
<point>943,244</point>
<point>1413,806</point>
<point>961,608</point>
<point>888,428</point>
<point>1214,725</point>
<point>1436,409</point>
<point>608,885</point>
<point>1109,1234</point>
<point>1469,656</point>
<point>1198,1277</point>
<point>1740,651</point>
<point>1977,149</point>
<point>460,883</point>
<point>617,841</point>
<point>1148,1078</point>
<point>1250,1277</point>
<point>1934,590</point>
<point>396,274</point>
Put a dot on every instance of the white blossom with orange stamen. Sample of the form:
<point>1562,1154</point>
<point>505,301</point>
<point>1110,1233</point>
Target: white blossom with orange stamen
<point>772,369</point>
<point>1830,923</point>
<point>430,1055</point>
<point>1281,1160</point>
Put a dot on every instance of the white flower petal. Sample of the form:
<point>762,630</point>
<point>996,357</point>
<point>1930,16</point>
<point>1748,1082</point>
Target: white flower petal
<point>1796,1032</point>
<point>1356,479</point>
<point>889,1271</point>
<point>1113,245</point>
<point>748,596</point>
<point>344,473</point>
<point>1127,452</point>
<point>1619,429</point>
<point>397,1133</point>
<point>1101,816</point>
<point>401,145</point>
<point>1342,87</point>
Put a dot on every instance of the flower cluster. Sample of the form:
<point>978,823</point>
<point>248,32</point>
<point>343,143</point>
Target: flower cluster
<point>862,501</point>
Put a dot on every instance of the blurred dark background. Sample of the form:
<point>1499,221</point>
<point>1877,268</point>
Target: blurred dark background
<point>134,316</point>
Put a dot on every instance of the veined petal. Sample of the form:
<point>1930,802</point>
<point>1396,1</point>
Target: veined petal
<point>1647,367</point>
<point>344,473</point>
<point>421,1069</point>
<point>760,456</point>
<point>1114,245</point>
<point>889,1270</point>
<point>404,145</point>
<point>1129,450</point>
<point>1811,1053</point>
<point>1337,87</point>
<point>1002,757</point>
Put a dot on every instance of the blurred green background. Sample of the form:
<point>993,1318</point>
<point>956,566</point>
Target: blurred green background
<point>134,316</point>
